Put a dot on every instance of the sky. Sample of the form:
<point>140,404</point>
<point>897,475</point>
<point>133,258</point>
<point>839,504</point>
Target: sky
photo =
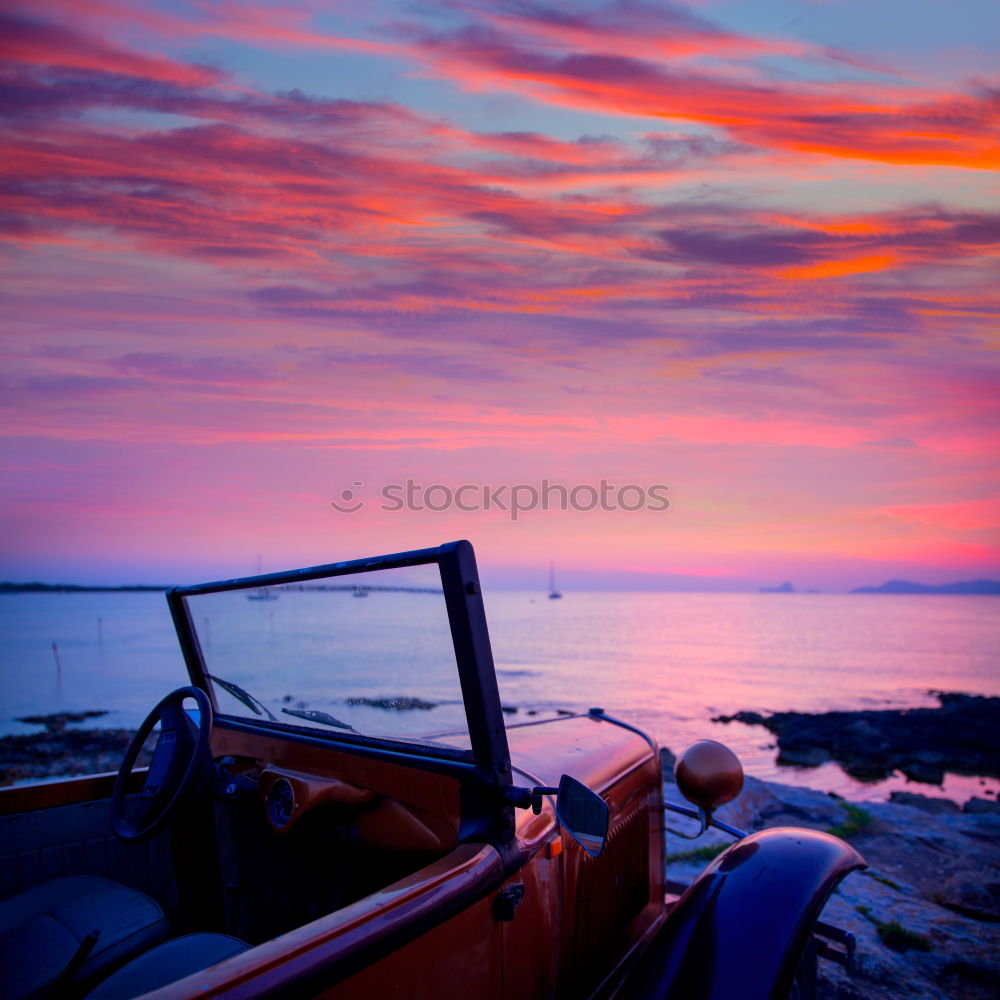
<point>729,265</point>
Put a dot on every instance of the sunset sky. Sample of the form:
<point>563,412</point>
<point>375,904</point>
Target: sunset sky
<point>257,254</point>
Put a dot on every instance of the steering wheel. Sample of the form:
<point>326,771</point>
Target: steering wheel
<point>182,763</point>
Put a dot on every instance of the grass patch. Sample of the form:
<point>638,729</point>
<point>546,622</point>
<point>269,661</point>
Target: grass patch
<point>885,881</point>
<point>706,853</point>
<point>894,935</point>
<point>858,821</point>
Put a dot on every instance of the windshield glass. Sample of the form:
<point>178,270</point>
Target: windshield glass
<point>367,654</point>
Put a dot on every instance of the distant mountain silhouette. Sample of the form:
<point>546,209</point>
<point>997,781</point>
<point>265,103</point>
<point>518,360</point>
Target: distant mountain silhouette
<point>785,588</point>
<point>974,587</point>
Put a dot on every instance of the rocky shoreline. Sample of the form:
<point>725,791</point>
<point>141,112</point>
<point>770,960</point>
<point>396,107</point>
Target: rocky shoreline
<point>926,913</point>
<point>923,743</point>
<point>60,751</point>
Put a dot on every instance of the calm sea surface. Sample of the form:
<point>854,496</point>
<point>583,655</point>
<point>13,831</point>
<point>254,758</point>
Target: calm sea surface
<point>667,662</point>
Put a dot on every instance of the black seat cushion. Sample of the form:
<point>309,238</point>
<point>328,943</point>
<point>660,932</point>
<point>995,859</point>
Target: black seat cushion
<point>42,927</point>
<point>166,963</point>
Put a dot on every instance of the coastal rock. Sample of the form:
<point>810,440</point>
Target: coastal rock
<point>923,773</point>
<point>803,756</point>
<point>924,802</point>
<point>58,721</point>
<point>396,703</point>
<point>966,892</point>
<point>765,803</point>
<point>923,743</point>
<point>977,805</point>
<point>60,750</point>
<point>923,911</point>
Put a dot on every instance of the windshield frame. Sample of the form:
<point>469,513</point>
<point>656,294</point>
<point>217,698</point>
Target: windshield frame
<point>470,637</point>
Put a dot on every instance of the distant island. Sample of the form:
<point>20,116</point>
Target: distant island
<point>989,588</point>
<point>72,588</point>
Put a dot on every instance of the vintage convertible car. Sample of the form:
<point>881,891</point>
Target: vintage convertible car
<point>335,807</point>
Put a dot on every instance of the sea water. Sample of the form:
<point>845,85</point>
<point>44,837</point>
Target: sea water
<point>668,662</point>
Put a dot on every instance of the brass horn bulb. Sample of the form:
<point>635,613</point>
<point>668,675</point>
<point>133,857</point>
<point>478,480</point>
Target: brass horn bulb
<point>709,774</point>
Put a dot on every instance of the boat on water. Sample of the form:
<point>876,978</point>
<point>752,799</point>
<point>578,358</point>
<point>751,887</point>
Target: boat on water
<point>554,594</point>
<point>261,593</point>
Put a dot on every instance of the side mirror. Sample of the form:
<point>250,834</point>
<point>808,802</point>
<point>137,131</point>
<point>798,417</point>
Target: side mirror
<point>709,774</point>
<point>583,814</point>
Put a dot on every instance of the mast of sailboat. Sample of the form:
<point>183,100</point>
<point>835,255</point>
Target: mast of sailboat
<point>553,593</point>
<point>261,593</point>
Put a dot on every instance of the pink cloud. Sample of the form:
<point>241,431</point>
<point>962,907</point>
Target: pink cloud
<point>290,291</point>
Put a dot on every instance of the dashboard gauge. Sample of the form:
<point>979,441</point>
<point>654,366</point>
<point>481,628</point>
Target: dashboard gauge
<point>280,804</point>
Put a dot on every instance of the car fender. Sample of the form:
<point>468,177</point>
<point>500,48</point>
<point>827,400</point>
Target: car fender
<point>739,931</point>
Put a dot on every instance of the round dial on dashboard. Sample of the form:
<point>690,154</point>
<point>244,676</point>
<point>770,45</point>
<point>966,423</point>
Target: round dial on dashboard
<point>280,804</point>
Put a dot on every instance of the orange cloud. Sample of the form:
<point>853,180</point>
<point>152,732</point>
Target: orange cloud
<point>882,123</point>
<point>839,268</point>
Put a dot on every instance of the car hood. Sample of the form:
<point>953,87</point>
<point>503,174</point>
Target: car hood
<point>590,748</point>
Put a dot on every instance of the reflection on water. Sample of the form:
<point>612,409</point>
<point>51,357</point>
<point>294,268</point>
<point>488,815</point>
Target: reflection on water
<point>668,662</point>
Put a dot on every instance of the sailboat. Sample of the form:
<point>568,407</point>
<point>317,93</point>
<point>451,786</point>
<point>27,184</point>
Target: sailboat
<point>261,593</point>
<point>554,594</point>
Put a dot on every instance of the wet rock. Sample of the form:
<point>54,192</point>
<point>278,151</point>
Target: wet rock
<point>747,718</point>
<point>924,802</point>
<point>803,756</point>
<point>977,805</point>
<point>58,721</point>
<point>921,742</point>
<point>927,774</point>
<point>399,703</point>
<point>864,731</point>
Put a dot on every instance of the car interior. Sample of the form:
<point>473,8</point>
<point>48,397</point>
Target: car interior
<point>246,825</point>
<point>293,844</point>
